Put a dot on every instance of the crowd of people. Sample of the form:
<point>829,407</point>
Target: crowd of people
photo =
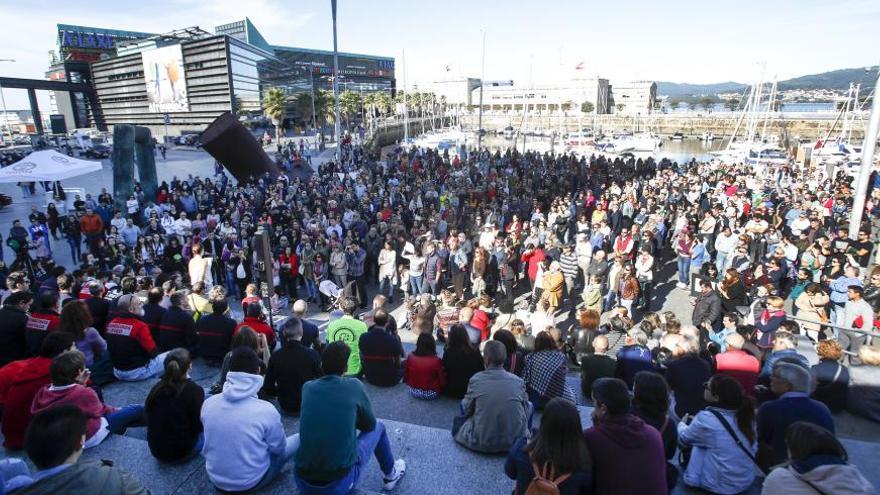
<point>521,266</point>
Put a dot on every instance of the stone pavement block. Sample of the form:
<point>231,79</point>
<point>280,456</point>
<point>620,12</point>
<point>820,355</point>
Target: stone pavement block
<point>134,456</point>
<point>864,456</point>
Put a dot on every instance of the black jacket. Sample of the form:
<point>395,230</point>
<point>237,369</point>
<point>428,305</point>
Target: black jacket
<point>100,310</point>
<point>289,368</point>
<point>215,335</point>
<point>153,314</point>
<point>177,330</point>
<point>174,420</point>
<point>460,366</point>
<point>12,334</point>
<point>380,357</point>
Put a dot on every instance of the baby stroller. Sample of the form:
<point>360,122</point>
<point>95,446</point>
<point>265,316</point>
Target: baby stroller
<point>331,291</point>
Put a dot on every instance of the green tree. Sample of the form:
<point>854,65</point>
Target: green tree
<point>706,102</point>
<point>324,106</point>
<point>620,107</point>
<point>350,104</point>
<point>673,103</point>
<point>587,107</point>
<point>303,104</point>
<point>731,104</point>
<point>275,108</point>
<point>382,102</point>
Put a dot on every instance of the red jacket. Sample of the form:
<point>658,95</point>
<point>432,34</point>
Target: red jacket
<point>258,326</point>
<point>424,373</point>
<point>481,321</point>
<point>533,259</point>
<point>19,383</point>
<point>739,365</point>
<point>75,395</point>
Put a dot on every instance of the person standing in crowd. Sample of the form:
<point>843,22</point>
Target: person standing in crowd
<point>332,454</point>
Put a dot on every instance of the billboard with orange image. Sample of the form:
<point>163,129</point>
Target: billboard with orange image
<point>165,79</point>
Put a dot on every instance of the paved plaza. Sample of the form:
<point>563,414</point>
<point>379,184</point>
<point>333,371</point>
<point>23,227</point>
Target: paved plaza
<point>419,430</point>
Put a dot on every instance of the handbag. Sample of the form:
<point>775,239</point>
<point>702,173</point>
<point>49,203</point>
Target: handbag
<point>240,273</point>
<point>736,439</point>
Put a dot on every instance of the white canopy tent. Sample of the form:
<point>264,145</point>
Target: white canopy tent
<point>47,166</point>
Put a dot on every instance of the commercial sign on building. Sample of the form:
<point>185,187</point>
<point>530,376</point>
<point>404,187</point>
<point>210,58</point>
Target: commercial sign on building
<point>165,79</point>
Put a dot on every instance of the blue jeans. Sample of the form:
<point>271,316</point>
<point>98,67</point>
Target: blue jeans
<point>277,461</point>
<point>369,443</point>
<point>311,289</point>
<point>684,268</point>
<point>387,281</point>
<point>416,284</point>
<point>75,247</point>
<point>720,261</point>
<point>118,421</point>
<point>231,288</point>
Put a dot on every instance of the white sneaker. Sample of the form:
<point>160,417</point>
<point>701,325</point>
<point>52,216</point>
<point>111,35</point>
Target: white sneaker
<point>399,471</point>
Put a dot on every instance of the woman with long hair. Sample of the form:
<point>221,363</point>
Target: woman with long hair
<point>514,361</point>
<point>478,272</point>
<point>77,321</point>
<point>173,411</point>
<point>461,361</point>
<point>732,291</point>
<point>817,463</point>
<point>722,439</point>
<point>558,450</point>
<point>423,371</point>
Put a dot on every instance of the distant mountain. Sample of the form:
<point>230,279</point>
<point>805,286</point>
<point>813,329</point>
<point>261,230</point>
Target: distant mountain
<point>685,89</point>
<point>836,79</point>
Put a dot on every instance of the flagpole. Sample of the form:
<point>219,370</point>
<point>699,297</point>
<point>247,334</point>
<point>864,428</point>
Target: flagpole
<point>482,83</point>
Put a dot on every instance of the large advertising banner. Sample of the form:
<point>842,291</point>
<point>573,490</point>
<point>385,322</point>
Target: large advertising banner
<point>166,84</point>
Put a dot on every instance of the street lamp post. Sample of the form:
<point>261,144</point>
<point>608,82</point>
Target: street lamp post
<point>482,83</point>
<point>3,100</point>
<point>314,119</point>
<point>337,127</point>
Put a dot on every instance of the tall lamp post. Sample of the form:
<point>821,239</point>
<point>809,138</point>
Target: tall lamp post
<point>867,165</point>
<point>337,127</point>
<point>3,100</point>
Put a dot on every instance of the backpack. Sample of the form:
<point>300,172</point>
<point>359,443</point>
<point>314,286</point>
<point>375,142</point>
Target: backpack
<point>544,482</point>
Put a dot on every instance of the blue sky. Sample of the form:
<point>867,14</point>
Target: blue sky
<point>678,40</point>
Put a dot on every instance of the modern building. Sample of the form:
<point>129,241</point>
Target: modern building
<point>458,92</point>
<point>357,72</point>
<point>181,81</point>
<point>634,98</point>
<point>565,97</point>
<point>76,48</point>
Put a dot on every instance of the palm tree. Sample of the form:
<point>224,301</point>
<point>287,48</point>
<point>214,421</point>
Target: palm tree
<point>303,104</point>
<point>275,108</point>
<point>350,104</point>
<point>324,106</point>
<point>383,102</point>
